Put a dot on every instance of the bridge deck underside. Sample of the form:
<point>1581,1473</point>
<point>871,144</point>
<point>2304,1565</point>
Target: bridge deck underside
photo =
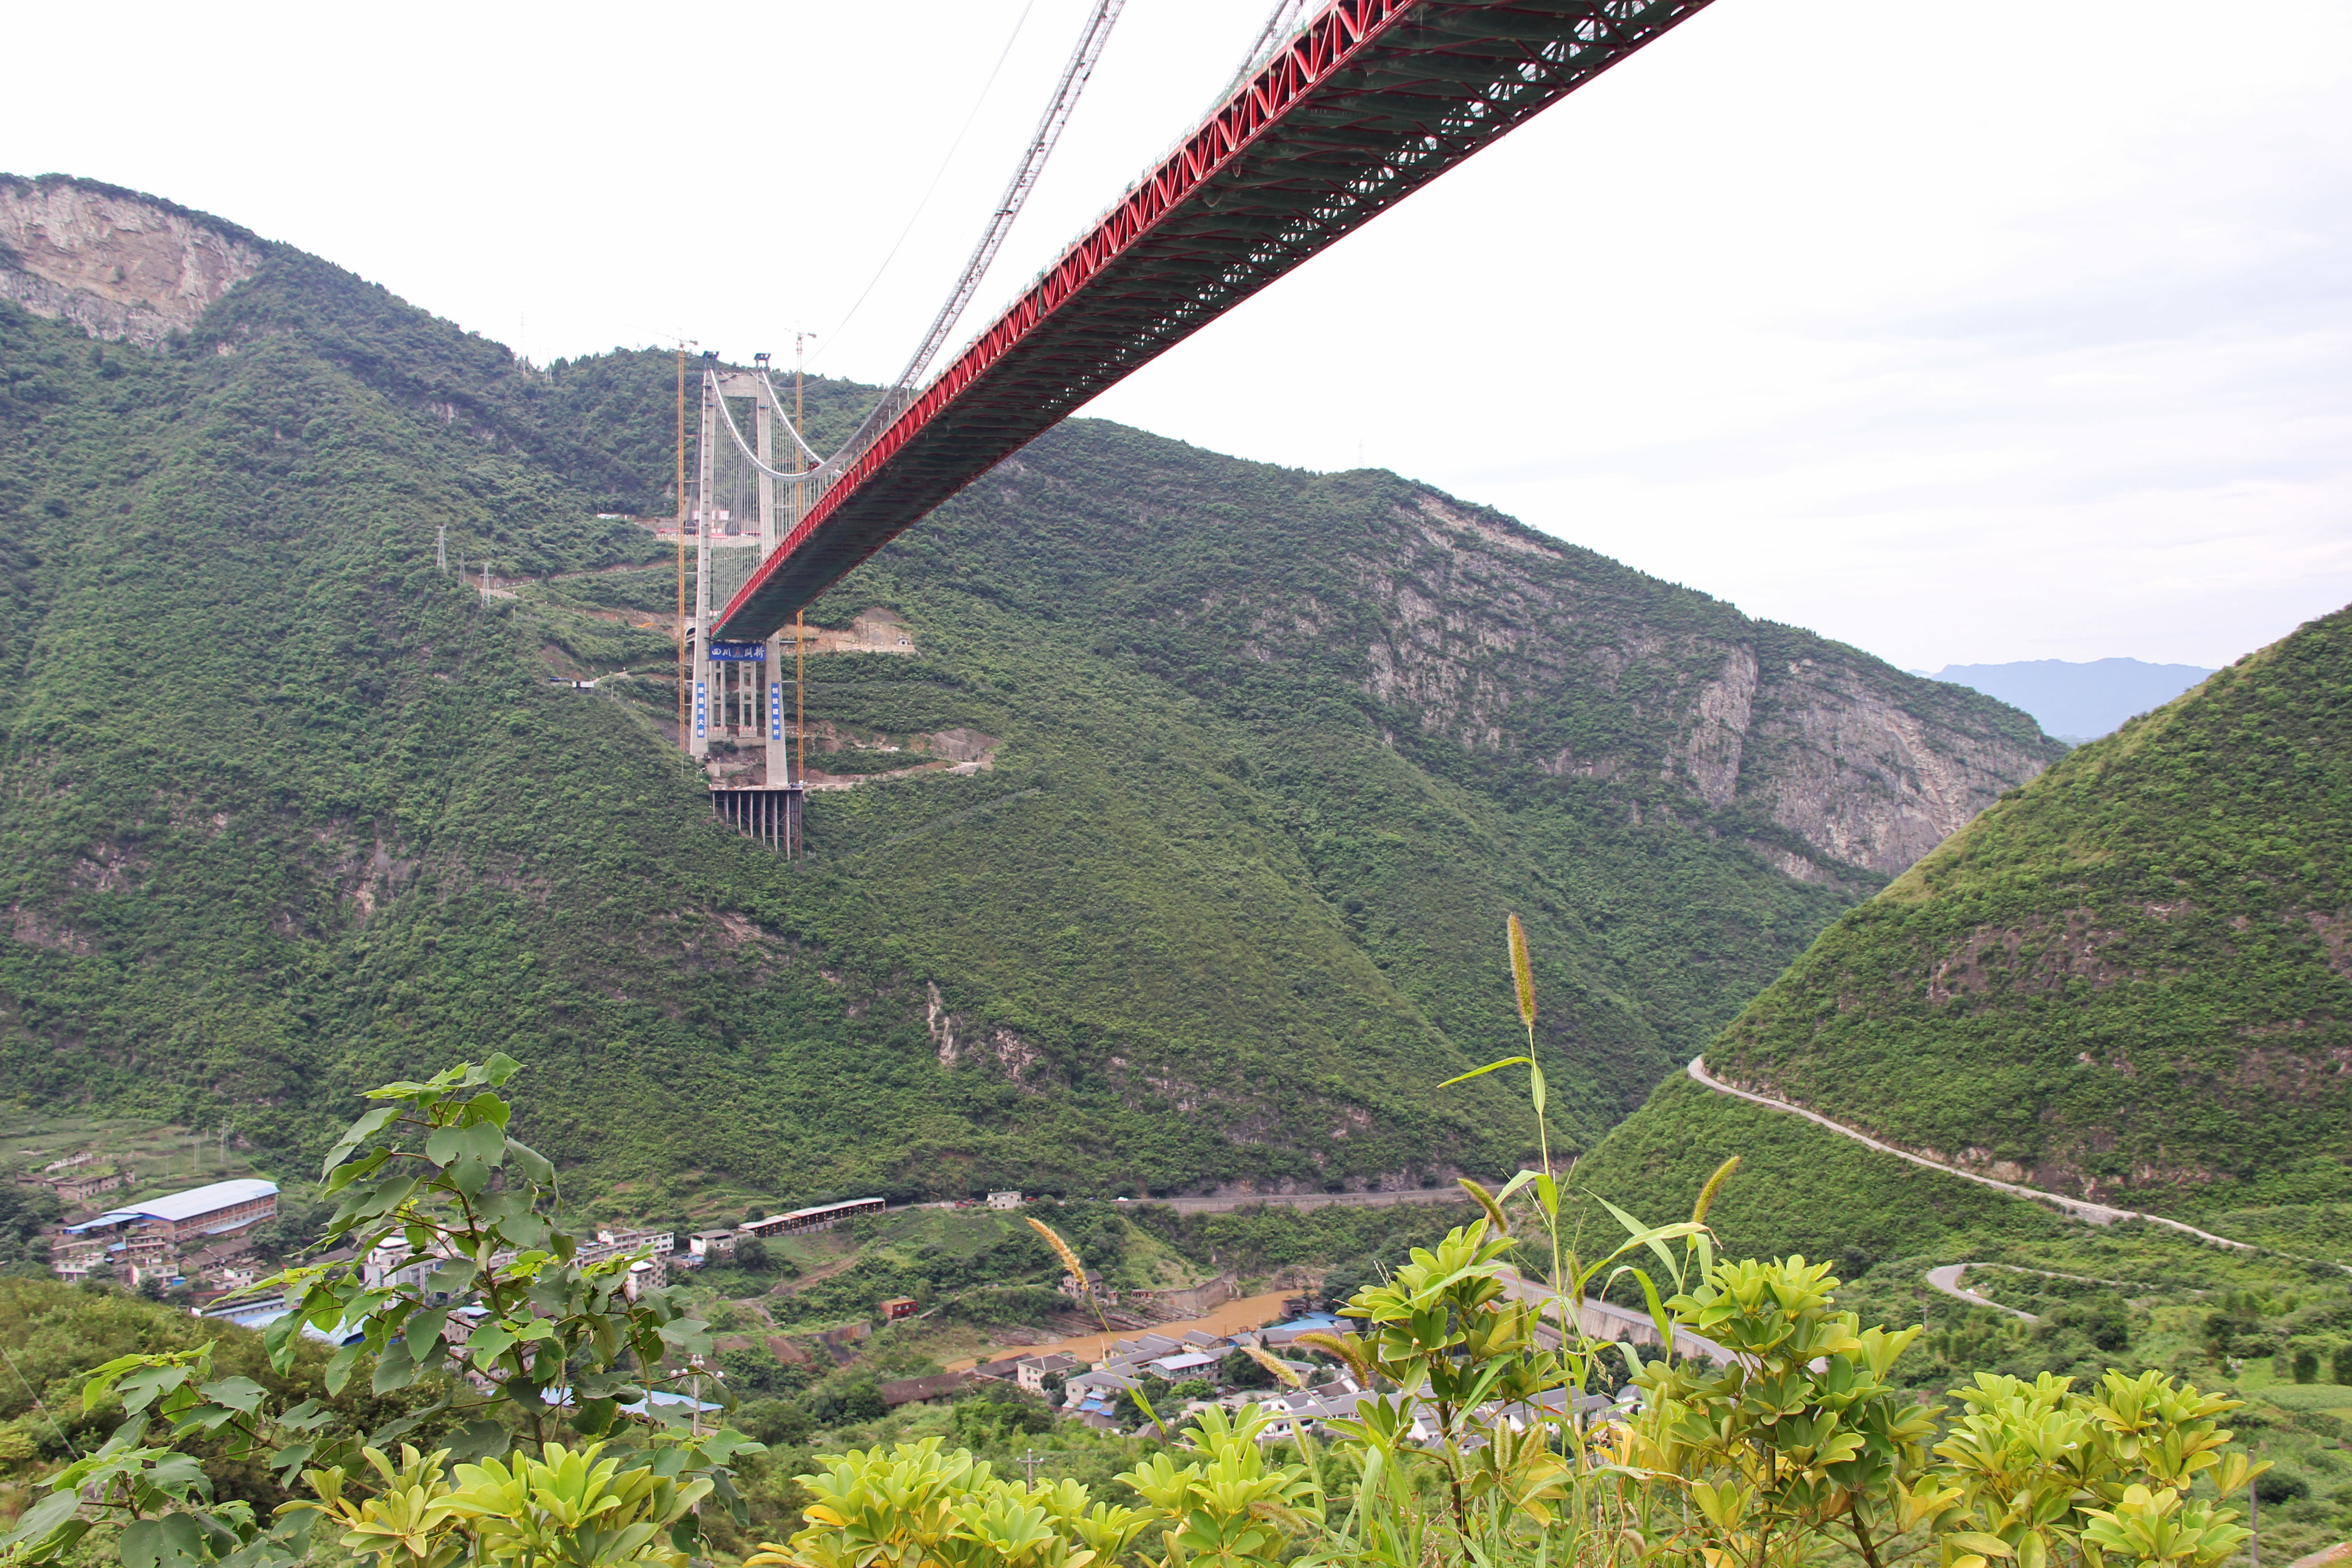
<point>1372,101</point>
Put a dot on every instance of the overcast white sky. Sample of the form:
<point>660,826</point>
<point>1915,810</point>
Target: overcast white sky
<point>1962,332</point>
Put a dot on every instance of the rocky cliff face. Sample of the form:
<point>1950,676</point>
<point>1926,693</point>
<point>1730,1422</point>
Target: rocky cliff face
<point>117,265</point>
<point>1500,641</point>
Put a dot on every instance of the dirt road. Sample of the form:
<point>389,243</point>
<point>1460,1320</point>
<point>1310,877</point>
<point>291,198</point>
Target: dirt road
<point>2096,1214</point>
<point>1947,1280</point>
<point>1243,1312</point>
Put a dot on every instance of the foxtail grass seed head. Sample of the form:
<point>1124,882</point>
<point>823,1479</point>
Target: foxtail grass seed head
<point>1063,1250</point>
<point>1486,1200</point>
<point>1523,973</point>
<point>1714,1185</point>
<point>1283,1371</point>
<point>1343,1348</point>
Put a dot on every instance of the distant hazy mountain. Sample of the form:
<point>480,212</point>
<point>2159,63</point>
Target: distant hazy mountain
<point>2077,702</point>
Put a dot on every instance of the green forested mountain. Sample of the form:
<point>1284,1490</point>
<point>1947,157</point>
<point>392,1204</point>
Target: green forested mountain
<point>2128,980</point>
<point>1270,755</point>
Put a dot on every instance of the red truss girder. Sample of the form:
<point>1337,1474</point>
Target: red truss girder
<point>1372,102</point>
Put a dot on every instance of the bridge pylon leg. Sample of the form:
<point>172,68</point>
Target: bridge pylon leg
<point>779,771</point>
<point>706,515</point>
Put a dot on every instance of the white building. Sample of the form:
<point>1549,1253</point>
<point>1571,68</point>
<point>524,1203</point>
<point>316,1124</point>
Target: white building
<point>213,1210</point>
<point>1032,1370</point>
<point>144,1234</point>
<point>392,1265</point>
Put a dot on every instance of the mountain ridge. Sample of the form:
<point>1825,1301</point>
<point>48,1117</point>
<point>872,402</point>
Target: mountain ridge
<point>291,813</point>
<point>2128,982</point>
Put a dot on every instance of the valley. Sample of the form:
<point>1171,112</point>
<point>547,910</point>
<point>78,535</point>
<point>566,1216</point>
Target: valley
<point>1240,762</point>
<point>1165,809</point>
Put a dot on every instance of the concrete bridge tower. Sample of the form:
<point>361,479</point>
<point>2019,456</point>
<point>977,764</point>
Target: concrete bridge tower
<point>739,690</point>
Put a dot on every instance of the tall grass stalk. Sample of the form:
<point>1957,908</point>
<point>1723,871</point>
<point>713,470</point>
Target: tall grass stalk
<point>1547,1187</point>
<point>1283,1374</point>
<point>1077,1268</point>
<point>1553,1492</point>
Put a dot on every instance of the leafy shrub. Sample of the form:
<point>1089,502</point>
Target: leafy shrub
<point>779,1423</point>
<point>996,1414</point>
<point>525,1348</point>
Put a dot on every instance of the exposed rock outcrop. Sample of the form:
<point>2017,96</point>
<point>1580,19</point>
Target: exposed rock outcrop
<point>1503,641</point>
<point>117,265</point>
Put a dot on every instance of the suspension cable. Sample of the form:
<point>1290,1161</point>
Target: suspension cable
<point>776,402</point>
<point>894,402</point>
<point>1281,19</point>
<point>933,189</point>
<point>1081,66</point>
<point>820,474</point>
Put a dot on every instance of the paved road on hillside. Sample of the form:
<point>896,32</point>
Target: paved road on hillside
<point>2097,1213</point>
<point>1947,1280</point>
<point>1222,1202</point>
<point>1607,1320</point>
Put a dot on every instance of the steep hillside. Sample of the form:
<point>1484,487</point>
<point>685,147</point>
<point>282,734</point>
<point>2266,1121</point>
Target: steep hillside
<point>1270,753</point>
<point>1515,663</point>
<point>2131,979</point>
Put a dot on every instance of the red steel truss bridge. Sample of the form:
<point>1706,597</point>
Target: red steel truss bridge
<point>1361,105</point>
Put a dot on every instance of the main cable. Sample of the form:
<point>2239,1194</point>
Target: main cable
<point>940,173</point>
<point>1058,109</point>
<point>1076,73</point>
<point>1283,18</point>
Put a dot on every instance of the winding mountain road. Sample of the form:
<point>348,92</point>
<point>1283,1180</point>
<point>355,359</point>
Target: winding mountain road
<point>2080,1208</point>
<point>1947,1280</point>
<point>1221,1203</point>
